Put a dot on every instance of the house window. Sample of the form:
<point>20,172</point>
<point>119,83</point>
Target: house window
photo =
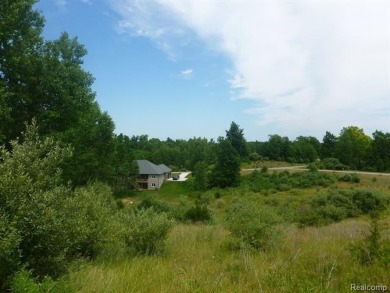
<point>153,184</point>
<point>153,176</point>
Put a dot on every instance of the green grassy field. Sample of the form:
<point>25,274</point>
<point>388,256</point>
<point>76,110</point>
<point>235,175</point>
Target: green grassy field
<point>200,257</point>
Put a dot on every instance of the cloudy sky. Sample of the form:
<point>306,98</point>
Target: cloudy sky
<point>185,68</point>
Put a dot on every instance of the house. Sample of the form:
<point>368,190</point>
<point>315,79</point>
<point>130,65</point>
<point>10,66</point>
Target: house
<point>152,176</point>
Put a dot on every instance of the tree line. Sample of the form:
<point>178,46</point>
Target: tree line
<point>351,149</point>
<point>44,80</point>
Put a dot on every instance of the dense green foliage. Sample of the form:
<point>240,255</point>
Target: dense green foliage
<point>253,225</point>
<point>226,172</point>
<point>146,230</point>
<point>235,136</point>
<point>45,224</point>
<point>200,173</point>
<point>266,182</point>
<point>352,149</point>
<point>339,204</point>
<point>44,80</point>
<point>372,249</point>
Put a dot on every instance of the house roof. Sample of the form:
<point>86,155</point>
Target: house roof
<point>146,167</point>
<point>165,168</point>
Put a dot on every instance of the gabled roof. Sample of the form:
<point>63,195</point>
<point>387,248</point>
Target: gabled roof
<point>146,167</point>
<point>165,168</point>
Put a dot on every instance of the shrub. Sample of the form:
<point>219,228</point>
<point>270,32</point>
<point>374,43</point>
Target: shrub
<point>313,167</point>
<point>146,230</point>
<point>368,202</point>
<point>307,216</point>
<point>372,249</point>
<point>44,224</point>
<point>93,220</point>
<point>257,227</point>
<point>10,255</point>
<point>157,205</point>
<point>25,282</point>
<point>332,164</point>
<point>259,182</point>
<point>340,204</point>
<point>353,178</point>
<point>198,213</point>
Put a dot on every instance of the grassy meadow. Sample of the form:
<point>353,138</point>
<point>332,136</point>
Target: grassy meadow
<point>203,257</point>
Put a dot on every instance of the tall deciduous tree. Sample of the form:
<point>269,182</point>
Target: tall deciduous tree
<point>328,145</point>
<point>379,152</point>
<point>45,80</point>
<point>352,146</point>
<point>20,39</point>
<point>276,148</point>
<point>236,137</point>
<point>226,172</point>
<point>304,149</point>
<point>200,172</point>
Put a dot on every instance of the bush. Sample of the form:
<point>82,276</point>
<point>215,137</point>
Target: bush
<point>253,226</point>
<point>44,224</point>
<point>307,216</point>
<point>93,220</point>
<point>146,230</point>
<point>332,164</point>
<point>369,202</point>
<point>340,204</point>
<point>10,255</point>
<point>372,249</point>
<point>200,211</point>
<point>283,181</point>
<point>158,206</point>
<point>353,178</point>
<point>25,282</point>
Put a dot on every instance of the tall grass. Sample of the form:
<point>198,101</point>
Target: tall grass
<point>205,258</point>
<point>198,259</point>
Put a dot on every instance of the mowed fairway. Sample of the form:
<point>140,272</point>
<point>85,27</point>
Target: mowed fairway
<point>203,257</point>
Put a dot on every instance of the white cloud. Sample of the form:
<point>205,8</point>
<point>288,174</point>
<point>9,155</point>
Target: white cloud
<point>315,65</point>
<point>187,73</point>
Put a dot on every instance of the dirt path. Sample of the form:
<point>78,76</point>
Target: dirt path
<point>303,168</point>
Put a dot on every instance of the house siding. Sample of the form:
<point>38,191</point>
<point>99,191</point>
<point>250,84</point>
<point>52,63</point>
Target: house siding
<point>152,176</point>
<point>156,180</point>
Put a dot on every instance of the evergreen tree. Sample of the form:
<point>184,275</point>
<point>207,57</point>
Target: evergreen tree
<point>226,172</point>
<point>235,136</point>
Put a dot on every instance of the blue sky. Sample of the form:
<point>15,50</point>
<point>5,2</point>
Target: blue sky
<point>187,68</point>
